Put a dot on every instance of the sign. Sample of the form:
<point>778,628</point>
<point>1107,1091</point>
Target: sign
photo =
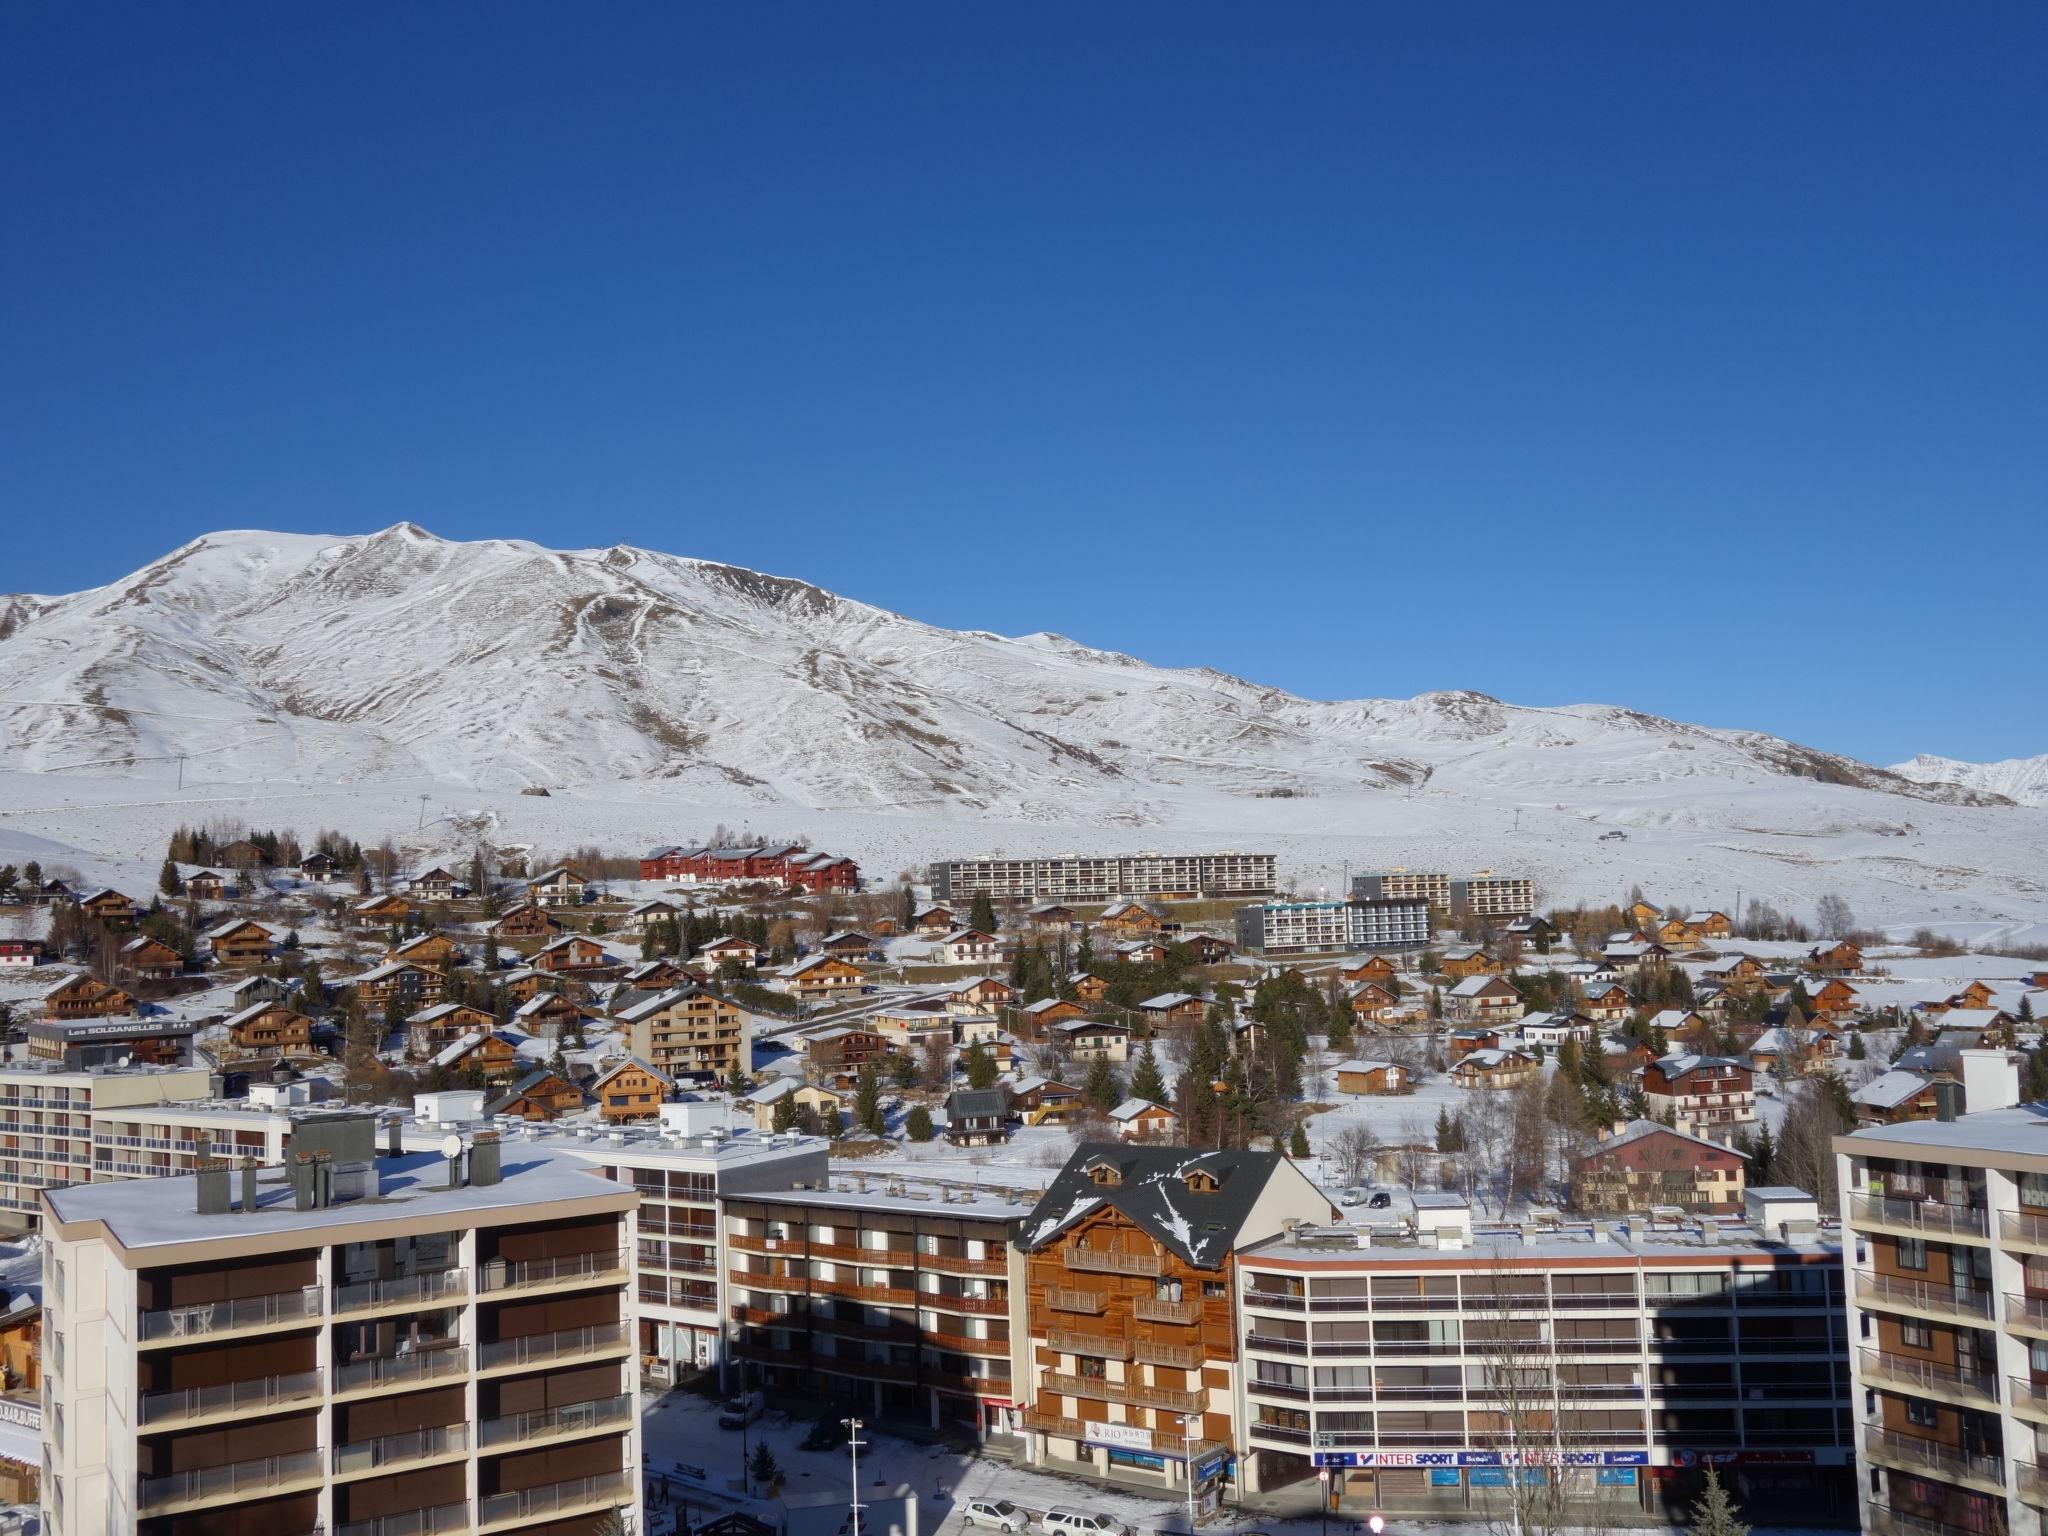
<point>28,1415</point>
<point>1742,1458</point>
<point>1130,1437</point>
<point>1137,1459</point>
<point>1212,1465</point>
<point>1444,1477</point>
<point>1338,1458</point>
<point>1616,1477</point>
<point>1529,1458</point>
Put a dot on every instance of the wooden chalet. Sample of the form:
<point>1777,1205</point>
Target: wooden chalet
<point>851,945</point>
<point>843,1050</point>
<point>1043,1100</point>
<point>1642,1164</point>
<point>970,946</point>
<point>1483,1000</point>
<point>270,1029</point>
<point>631,1090</point>
<point>1834,998</point>
<point>1143,1120</point>
<point>1142,952</point>
<point>977,1117</point>
<point>239,941</point>
<point>1463,1042</point>
<point>385,911</point>
<point>492,1053</point>
<point>541,1094</point>
<point>206,885</point>
<point>1493,1069</point>
<point>1642,914</point>
<point>1036,1019</point>
<point>319,869</point>
<point>1461,963</point>
<point>660,973</point>
<point>84,996</point>
<point>1053,917</point>
<point>435,884</point>
<point>1608,1002</point>
<point>547,1015</point>
<point>1170,1008</point>
<point>1087,987</point>
<point>980,994</point>
<point>1087,1039</point>
<point>1133,919</point>
<point>742,954</point>
<point>410,986</point>
<point>1707,1090</point>
<point>933,920</point>
<point>1208,949</point>
<point>1371,1003</point>
<point>557,887</point>
<point>819,976</point>
<point>649,913</point>
<point>1364,1076</point>
<point>1739,973</point>
<point>1375,968</point>
<point>431,949</point>
<point>434,1029</point>
<point>1894,1097</point>
<point>110,907</point>
<point>526,921</point>
<point>569,953</point>
<point>150,959</point>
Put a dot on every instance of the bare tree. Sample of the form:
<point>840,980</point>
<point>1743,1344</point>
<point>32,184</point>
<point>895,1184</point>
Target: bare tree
<point>1415,1152</point>
<point>1352,1153</point>
<point>1836,920</point>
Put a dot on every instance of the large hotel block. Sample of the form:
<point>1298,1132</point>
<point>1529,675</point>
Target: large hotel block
<point>47,1125</point>
<point>1073,877</point>
<point>1484,894</point>
<point>1333,927</point>
<point>1948,1313</point>
<point>360,1343</point>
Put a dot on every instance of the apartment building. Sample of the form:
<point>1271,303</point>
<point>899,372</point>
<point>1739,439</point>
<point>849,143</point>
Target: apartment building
<point>1334,927</point>
<point>1419,1366</point>
<point>900,1302</point>
<point>1484,894</point>
<point>146,1141</point>
<point>1948,1312</point>
<point>690,1033</point>
<point>366,1343</point>
<point>1130,1313</point>
<point>1404,885</point>
<point>47,1124</point>
<point>1073,877</point>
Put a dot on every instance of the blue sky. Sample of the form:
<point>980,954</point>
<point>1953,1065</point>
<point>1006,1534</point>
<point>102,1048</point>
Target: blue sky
<point>1686,358</point>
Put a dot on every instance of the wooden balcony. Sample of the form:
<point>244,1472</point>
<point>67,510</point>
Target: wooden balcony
<point>761,1280</point>
<point>1186,1357</point>
<point>960,1264</point>
<point>1075,1341</point>
<point>981,1306</point>
<point>1089,1303</point>
<point>1172,1399</point>
<point>1100,1261</point>
<point>1150,1309</point>
<point>788,1247</point>
<point>967,1344</point>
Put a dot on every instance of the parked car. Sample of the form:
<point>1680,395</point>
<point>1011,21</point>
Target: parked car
<point>1380,1201</point>
<point>1353,1197</point>
<point>997,1515</point>
<point>741,1410</point>
<point>1074,1522</point>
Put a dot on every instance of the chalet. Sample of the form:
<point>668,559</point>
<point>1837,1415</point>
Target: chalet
<point>1036,1018</point>
<point>1483,1000</point>
<point>1087,987</point>
<point>1043,1101</point>
<point>1373,968</point>
<point>525,983</point>
<point>1133,1252</point>
<point>432,1029</point>
<point>431,949</point>
<point>1708,1090</point>
<point>1841,958</point>
<point>270,1029</point>
<point>1973,1028</point>
<point>649,913</point>
<point>238,941</point>
<point>1804,1051</point>
<point>1635,954</point>
<point>1463,1042</point>
<point>851,945</point>
<point>385,911</point>
<point>1625,1056</point>
<point>740,954</point>
<point>490,1053</point>
<point>242,854</point>
<point>1739,973</point>
<point>825,872</point>
<point>1894,1097</point>
<point>1461,963</point>
<point>980,994</point>
<point>547,1016</point>
<point>842,1050</point>
<point>933,920</point>
<point>260,989</point>
<point>540,1095</point>
<point>1133,919</point>
<point>977,1117</point>
<point>970,946</point>
<point>1534,930</point>
<point>827,1105</point>
<point>1493,1069</point>
<point>20,954</point>
<point>110,907</point>
<point>1642,914</point>
<point>1683,1029</point>
<point>571,952</point>
<point>1361,1075</point>
<point>1208,949</point>
<point>84,996</point>
<point>1143,1120</point>
<point>1676,932</point>
<point>631,1090</point>
<point>1607,1002</point>
<point>1173,1008</point>
<point>435,884</point>
<point>1372,1003</point>
<point>818,976</point>
<point>1978,994</point>
<point>151,960</point>
<point>1052,917</point>
<point>1711,925</point>
<point>319,869</point>
<point>410,986</point>
<point>659,973</point>
<point>206,885</point>
<point>1834,998</point>
<point>886,927</point>
<point>1644,1164</point>
<point>1553,1029</point>
<point>557,887</point>
<point>1142,952</point>
<point>1087,1039</point>
<point>526,921</point>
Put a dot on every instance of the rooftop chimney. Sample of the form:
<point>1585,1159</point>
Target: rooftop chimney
<point>1948,1098</point>
<point>249,1167</point>
<point>302,1180</point>
<point>213,1187</point>
<point>484,1159</point>
<point>393,1146</point>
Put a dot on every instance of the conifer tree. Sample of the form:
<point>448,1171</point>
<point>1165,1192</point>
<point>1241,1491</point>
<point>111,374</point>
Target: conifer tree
<point>784,1117</point>
<point>1716,1514</point>
<point>1101,1087</point>
<point>981,1067</point>
<point>867,1101</point>
<point>1146,1081</point>
<point>982,913</point>
<point>917,1125</point>
<point>909,907</point>
<point>1857,1050</point>
<point>167,879</point>
<point>1297,1144</point>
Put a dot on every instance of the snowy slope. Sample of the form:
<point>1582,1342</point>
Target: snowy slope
<point>2022,780</point>
<point>339,678</point>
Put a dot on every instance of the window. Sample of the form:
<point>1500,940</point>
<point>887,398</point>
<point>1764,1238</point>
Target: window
<point>1912,1253</point>
<point>1916,1335</point>
<point>1924,1414</point>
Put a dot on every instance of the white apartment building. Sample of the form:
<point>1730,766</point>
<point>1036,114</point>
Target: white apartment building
<point>1333,927</point>
<point>49,1116</point>
<point>1077,877</point>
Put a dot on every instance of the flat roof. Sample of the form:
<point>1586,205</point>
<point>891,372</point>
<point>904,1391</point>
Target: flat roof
<point>639,1145</point>
<point>2021,1131</point>
<point>920,1199</point>
<point>1568,1246</point>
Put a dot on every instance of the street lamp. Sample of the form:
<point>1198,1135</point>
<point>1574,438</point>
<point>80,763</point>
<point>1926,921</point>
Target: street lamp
<point>1188,1421</point>
<point>853,1443</point>
<point>1323,1479</point>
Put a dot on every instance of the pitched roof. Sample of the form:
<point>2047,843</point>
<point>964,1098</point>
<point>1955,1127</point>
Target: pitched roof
<point>1151,1191</point>
<point>1131,1109</point>
<point>1365,1064</point>
<point>1890,1089</point>
<point>1638,1130</point>
<point>976,1104</point>
<point>1169,1000</point>
<point>1473,986</point>
<point>619,1066</point>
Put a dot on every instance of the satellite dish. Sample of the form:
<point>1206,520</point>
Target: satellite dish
<point>451,1146</point>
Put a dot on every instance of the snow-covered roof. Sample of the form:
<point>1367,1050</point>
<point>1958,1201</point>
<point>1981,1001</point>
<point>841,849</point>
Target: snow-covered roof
<point>1366,1064</point>
<point>1890,1089</point>
<point>1638,1130</point>
<point>1473,986</point>
<point>1169,1000</point>
<point>1131,1109</point>
<point>1151,1189</point>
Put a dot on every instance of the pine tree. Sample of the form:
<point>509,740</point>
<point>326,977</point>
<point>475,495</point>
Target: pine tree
<point>909,908</point>
<point>1340,1030</point>
<point>1446,1131</point>
<point>981,915</point>
<point>767,1474</point>
<point>1146,1081</point>
<point>867,1101</point>
<point>981,1067</point>
<point>1101,1088</point>
<point>784,1118</point>
<point>1297,1144</point>
<point>167,879</point>
<point>1857,1050</point>
<point>1716,1514</point>
<point>917,1125</point>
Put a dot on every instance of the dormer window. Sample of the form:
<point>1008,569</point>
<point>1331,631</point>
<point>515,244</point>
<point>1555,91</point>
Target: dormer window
<point>1106,1174</point>
<point>1201,1182</point>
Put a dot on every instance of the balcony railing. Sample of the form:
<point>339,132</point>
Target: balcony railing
<point>1073,1341</point>
<point>2029,1395</point>
<point>228,1397</point>
<point>436,1285</point>
<point>1171,1398</point>
<point>1152,1310</point>
<point>536,1347</point>
<point>1928,1218</point>
<point>1060,1299</point>
<point>2027,1311</point>
<point>397,1450</point>
<point>1281,1301</point>
<point>203,1319</point>
<point>1102,1262</point>
<point>550,1498</point>
<point>1890,1291</point>
<point>1931,1456</point>
<point>2033,1480</point>
<point>200,1483</point>
<point>1925,1375</point>
<point>401,1370</point>
<point>1894,1522</point>
<point>1185,1357</point>
<point>1271,1345</point>
<point>2030,1227</point>
<point>530,1274</point>
<point>438,1521</point>
<point>547,1423</point>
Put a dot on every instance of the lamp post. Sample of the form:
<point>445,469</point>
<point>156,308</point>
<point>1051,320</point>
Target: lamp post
<point>1323,1481</point>
<point>853,1429</point>
<point>1188,1421</point>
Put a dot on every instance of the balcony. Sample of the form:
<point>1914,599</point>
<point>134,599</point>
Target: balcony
<point>161,1410</point>
<point>389,1453</point>
<point>443,1520</point>
<point>1054,1424</point>
<point>1266,1344</point>
<point>2024,1228</point>
<point>1089,1303</point>
<point>1893,1522</point>
<point>1948,1463</point>
<point>967,1344</point>
<point>406,1290</point>
<point>1102,1262</point>
<point>1186,1357</point>
<point>206,1485</point>
<point>1281,1301</point>
<point>1948,1382</point>
<point>565,1344</point>
<point>1921,1299</point>
<point>794,1247</point>
<point>1072,1341</point>
<point>945,1301</point>
<point>564,1273</point>
<point>219,1319</point>
<point>1930,1219</point>
<point>573,1497</point>
<point>1286,1434</point>
<point>960,1264</point>
<point>761,1280</point>
<point>397,1372</point>
<point>547,1424</point>
<point>2033,1481</point>
<point>1170,1398</point>
<point>2027,1313</point>
<point>2029,1397</point>
<point>1152,1310</point>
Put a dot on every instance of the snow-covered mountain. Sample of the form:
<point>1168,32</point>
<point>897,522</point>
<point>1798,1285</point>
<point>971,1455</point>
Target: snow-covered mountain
<point>2022,780</point>
<point>678,691</point>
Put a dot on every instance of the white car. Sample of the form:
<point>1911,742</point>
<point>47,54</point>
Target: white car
<point>997,1515</point>
<point>1074,1522</point>
<point>1353,1196</point>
